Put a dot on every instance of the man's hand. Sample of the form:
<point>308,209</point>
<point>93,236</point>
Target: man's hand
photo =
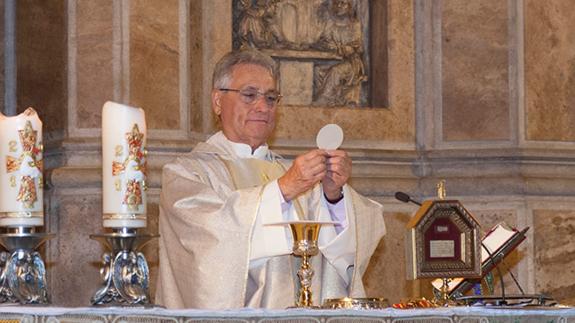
<point>337,174</point>
<point>306,171</point>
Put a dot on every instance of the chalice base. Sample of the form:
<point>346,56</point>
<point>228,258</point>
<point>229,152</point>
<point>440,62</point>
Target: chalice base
<point>305,300</point>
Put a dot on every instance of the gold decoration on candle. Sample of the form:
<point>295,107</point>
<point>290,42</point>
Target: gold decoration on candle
<point>117,168</point>
<point>118,184</point>
<point>12,164</point>
<point>135,141</point>
<point>134,162</point>
<point>27,194</point>
<point>123,216</point>
<point>119,151</point>
<point>29,160</point>
<point>12,144</point>
<point>28,139</point>
<point>133,196</point>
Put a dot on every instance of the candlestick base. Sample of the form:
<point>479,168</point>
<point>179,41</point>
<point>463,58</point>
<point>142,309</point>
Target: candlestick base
<point>22,270</point>
<point>124,270</point>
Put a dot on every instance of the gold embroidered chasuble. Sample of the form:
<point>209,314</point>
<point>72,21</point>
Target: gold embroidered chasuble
<point>208,208</point>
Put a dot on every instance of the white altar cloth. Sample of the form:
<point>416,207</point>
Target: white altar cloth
<point>155,314</point>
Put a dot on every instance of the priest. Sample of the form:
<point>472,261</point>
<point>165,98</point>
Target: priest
<point>219,248</point>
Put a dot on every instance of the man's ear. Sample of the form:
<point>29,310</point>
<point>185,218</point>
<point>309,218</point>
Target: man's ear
<point>217,102</point>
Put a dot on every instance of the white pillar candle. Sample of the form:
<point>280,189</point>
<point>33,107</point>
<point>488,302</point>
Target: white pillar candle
<point>124,166</point>
<point>21,167</point>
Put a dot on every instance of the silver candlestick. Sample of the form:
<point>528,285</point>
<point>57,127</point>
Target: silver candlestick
<point>22,270</point>
<point>124,269</point>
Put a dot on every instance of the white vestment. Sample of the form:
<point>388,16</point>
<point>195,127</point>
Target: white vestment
<point>217,250</point>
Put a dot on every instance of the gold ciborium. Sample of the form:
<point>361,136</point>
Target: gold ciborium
<point>305,234</point>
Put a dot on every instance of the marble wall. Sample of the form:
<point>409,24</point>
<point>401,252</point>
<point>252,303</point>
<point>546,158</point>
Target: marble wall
<point>480,94</point>
<point>41,45</point>
<point>474,65</point>
<point>549,71</point>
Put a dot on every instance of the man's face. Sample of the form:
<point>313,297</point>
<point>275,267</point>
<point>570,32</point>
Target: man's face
<point>248,123</point>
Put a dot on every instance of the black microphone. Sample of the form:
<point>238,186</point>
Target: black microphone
<point>404,197</point>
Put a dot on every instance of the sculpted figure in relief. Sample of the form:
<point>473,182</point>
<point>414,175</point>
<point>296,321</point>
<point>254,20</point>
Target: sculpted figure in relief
<point>321,26</point>
<point>340,84</point>
<point>258,27</point>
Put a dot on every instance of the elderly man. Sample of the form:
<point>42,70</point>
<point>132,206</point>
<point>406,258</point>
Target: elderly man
<point>217,250</point>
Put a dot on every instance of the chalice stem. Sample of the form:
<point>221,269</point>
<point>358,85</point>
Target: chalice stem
<point>305,274</point>
<point>305,246</point>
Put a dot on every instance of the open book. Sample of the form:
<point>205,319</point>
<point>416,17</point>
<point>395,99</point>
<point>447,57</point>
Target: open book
<point>499,242</point>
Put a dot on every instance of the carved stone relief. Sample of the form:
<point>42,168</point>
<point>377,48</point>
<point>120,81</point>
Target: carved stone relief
<point>321,46</point>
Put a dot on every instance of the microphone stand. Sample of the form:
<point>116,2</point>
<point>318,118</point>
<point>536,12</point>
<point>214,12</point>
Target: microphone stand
<point>487,266</point>
<point>503,301</point>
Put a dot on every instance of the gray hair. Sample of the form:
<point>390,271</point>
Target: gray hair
<point>224,68</point>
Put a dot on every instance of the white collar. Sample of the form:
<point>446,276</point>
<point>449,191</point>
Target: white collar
<point>238,150</point>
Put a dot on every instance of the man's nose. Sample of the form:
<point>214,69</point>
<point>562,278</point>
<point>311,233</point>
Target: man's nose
<point>261,103</point>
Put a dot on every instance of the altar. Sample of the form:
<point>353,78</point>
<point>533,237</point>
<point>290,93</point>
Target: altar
<point>32,314</point>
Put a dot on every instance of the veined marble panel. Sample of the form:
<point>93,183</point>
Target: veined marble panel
<point>385,275</point>
<point>196,68</point>
<point>94,61</point>
<point>73,259</point>
<point>554,257</point>
<point>210,39</point>
<point>549,70</point>
<point>475,87</point>
<point>41,60</point>
<point>151,249</point>
<point>154,61</point>
<point>296,82</point>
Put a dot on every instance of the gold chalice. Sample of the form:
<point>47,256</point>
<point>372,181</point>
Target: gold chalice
<point>305,234</point>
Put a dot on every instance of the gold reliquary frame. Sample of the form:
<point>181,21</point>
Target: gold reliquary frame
<point>443,241</point>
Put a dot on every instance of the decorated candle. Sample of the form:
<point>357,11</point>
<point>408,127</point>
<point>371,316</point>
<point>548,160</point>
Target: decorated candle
<point>21,166</point>
<point>124,166</point>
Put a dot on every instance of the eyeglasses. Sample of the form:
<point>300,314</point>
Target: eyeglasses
<point>251,95</point>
